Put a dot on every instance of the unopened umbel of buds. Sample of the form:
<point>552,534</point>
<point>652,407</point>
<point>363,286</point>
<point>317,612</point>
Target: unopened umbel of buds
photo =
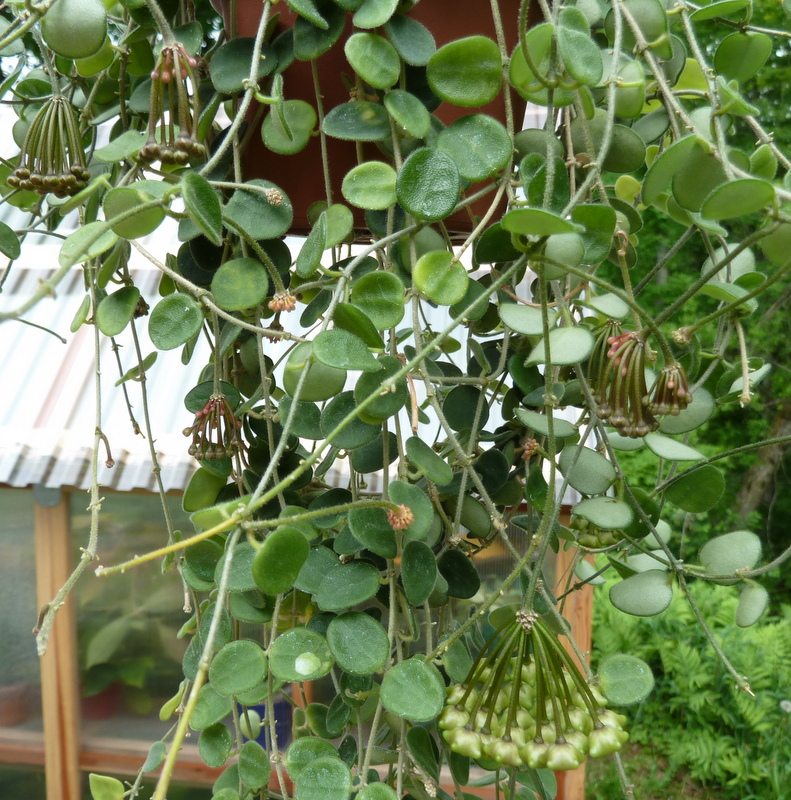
<point>591,536</point>
<point>670,392</point>
<point>525,702</point>
<point>172,105</point>
<point>215,432</point>
<point>619,382</point>
<point>52,158</point>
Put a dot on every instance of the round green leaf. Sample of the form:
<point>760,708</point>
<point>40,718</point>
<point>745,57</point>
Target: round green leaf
<point>254,766</point>
<point>356,433</point>
<point>318,564</point>
<point>460,406</point>
<point>287,129</point>
<point>417,500</point>
<point>387,402</point>
<point>418,572</point>
<point>370,185</point>
<point>202,490</point>
<point>644,594</point>
<point>348,585</point>
<point>722,8</point>
<point>203,205</point>
<point>343,350</point>
<point>376,791</point>
<point>753,602</point>
<point>104,787</point>
<point>692,417</point>
<point>441,277</point>
<point>672,450</point>
<point>479,145</point>
<point>371,528</point>
<point>740,55</point>
<point>591,474</point>
<point>305,751</point>
<point>581,55</point>
<point>322,382</point>
<point>214,745</point>
<point>374,59</point>
<point>738,198</point>
<point>729,553</point>
<point>358,642</point>
<point>605,512</point>
<point>123,200</point>
<point>664,167</point>
<point>240,283</point>
<point>569,345</point>
<point>536,222</point>
<point>380,296</point>
<point>413,40</point>
<point>323,779</point>
<point>312,41</point>
<point>116,310</point>
<point>264,212</point>
<point>237,667</point>
<point>9,242</point>
<point>467,72</point>
<point>373,13</point>
<point>697,491</point>
<point>625,679</point>
<point>211,707</point>
<point>611,306</point>
<point>230,65</point>
<point>359,120</point>
<point>86,242</point>
<point>423,750</point>
<point>700,174</point>
<point>460,573</point>
<point>538,422</point>
<point>174,320</point>
<point>432,465</point>
<point>350,318</point>
<point>428,184</point>
<point>524,319</point>
<point>300,655</point>
<point>775,246</point>
<point>279,559</point>
<point>408,112</point>
<point>413,690</point>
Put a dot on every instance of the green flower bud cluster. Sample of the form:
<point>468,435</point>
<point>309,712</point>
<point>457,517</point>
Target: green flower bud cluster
<point>525,703</point>
<point>170,103</point>
<point>591,536</point>
<point>52,158</point>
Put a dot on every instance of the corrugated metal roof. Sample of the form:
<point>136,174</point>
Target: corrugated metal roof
<point>47,410</point>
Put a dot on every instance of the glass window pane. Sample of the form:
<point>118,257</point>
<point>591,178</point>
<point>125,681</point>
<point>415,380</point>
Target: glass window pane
<point>20,682</point>
<point>130,658</point>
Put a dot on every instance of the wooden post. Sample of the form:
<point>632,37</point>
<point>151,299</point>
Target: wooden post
<point>578,610</point>
<point>59,678</point>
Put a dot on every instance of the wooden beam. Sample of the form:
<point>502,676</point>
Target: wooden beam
<point>59,676</point>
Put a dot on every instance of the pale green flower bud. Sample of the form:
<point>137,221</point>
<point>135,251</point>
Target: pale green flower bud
<point>579,740</point>
<point>529,673</point>
<point>580,719</point>
<point>464,742</point>
<point>527,695</point>
<point>534,754</point>
<point>454,694</point>
<point>605,741</point>
<point>452,717</point>
<point>563,756</point>
<point>611,719</point>
<point>524,719</point>
<point>504,753</point>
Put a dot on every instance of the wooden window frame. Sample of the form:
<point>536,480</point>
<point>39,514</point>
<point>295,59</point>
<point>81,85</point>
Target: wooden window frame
<point>60,749</point>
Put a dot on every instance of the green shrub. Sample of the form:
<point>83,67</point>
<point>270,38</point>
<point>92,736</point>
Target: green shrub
<point>736,742</point>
